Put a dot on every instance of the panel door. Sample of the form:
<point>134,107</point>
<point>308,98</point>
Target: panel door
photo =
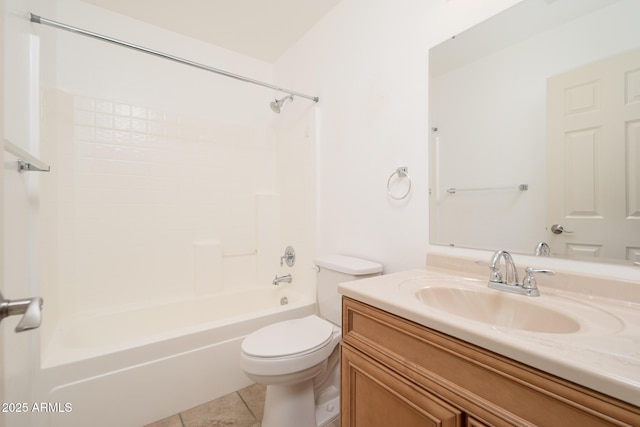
<point>19,124</point>
<point>374,396</point>
<point>593,156</point>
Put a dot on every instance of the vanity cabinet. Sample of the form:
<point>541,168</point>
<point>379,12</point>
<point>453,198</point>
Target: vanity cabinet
<point>399,373</point>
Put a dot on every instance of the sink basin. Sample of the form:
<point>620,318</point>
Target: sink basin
<point>498,309</point>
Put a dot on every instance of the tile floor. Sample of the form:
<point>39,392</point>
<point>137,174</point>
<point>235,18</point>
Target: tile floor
<point>239,409</point>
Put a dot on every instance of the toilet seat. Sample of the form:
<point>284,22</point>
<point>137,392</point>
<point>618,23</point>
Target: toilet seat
<point>288,338</point>
<point>288,347</point>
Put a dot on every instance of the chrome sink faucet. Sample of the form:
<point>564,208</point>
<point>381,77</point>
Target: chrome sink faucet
<point>510,283</point>
<point>286,278</point>
<point>511,273</point>
<point>543,249</point>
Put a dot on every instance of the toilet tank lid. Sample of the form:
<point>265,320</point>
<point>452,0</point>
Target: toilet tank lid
<point>348,265</point>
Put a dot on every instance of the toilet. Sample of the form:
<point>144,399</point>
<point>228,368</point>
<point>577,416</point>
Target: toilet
<point>299,359</point>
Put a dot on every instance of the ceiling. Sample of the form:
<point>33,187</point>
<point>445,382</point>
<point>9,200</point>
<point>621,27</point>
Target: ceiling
<point>263,29</point>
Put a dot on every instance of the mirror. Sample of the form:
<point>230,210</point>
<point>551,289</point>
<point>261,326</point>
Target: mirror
<point>535,131</point>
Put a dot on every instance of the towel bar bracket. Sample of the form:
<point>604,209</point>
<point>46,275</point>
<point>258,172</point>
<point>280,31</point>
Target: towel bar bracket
<point>30,167</point>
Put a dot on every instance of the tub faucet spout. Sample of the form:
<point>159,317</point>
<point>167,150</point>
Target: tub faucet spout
<point>286,278</point>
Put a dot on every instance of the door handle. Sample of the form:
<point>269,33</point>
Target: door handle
<point>558,229</point>
<point>30,308</point>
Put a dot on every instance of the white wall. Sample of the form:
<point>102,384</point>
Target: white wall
<point>368,63</point>
<point>367,60</point>
<point>90,66</point>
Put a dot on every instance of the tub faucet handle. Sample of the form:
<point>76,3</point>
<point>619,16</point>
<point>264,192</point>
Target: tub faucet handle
<point>289,256</point>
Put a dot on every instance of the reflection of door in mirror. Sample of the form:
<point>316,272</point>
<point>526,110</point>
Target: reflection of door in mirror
<point>593,149</point>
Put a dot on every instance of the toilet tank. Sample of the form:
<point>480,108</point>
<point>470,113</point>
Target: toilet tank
<point>335,269</point>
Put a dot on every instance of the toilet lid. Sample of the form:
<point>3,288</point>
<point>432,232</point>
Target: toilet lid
<point>288,337</point>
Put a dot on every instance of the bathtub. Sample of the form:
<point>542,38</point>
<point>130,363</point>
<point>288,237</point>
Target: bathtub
<point>136,366</point>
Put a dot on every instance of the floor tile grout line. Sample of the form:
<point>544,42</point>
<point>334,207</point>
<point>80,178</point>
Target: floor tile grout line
<point>247,406</point>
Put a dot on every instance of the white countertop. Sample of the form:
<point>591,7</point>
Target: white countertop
<point>604,354</point>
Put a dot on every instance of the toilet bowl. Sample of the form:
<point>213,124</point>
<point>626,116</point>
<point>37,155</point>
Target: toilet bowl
<point>298,359</point>
<point>287,356</point>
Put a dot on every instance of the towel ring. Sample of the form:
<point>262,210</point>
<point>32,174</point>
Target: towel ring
<point>402,172</point>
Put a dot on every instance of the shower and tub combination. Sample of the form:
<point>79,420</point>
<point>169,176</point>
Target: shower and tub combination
<point>128,340</point>
<point>134,367</point>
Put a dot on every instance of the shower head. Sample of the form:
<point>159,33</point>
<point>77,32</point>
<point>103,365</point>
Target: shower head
<point>276,105</point>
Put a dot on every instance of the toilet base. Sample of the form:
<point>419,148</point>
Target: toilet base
<point>327,392</point>
<point>327,411</point>
<point>313,402</point>
<point>290,405</point>
<point>294,406</point>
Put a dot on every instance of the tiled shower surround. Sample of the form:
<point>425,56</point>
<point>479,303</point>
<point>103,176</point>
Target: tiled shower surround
<point>150,204</point>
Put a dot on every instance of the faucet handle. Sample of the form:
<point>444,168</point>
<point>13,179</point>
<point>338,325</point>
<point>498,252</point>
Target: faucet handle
<point>289,256</point>
<point>529,281</point>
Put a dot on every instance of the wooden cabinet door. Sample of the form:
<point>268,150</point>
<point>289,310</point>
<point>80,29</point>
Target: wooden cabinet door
<point>398,373</point>
<point>375,396</point>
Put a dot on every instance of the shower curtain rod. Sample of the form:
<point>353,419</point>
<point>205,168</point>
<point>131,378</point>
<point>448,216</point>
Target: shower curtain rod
<point>44,21</point>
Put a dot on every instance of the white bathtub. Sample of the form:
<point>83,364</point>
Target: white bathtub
<point>133,367</point>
